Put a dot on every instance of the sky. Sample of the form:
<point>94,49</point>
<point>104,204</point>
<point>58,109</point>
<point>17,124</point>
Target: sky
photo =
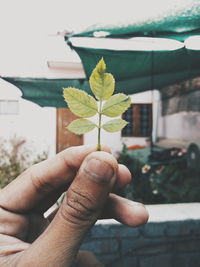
<point>26,17</point>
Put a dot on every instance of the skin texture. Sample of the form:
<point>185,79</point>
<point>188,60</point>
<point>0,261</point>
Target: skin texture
<point>88,177</point>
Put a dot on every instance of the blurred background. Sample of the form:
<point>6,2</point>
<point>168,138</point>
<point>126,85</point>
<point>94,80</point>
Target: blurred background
<point>152,49</point>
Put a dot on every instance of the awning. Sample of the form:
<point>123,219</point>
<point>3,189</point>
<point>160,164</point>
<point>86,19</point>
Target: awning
<point>143,70</point>
<point>46,92</point>
<point>134,70</point>
<point>137,71</point>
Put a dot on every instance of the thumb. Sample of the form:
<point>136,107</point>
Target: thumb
<point>80,209</point>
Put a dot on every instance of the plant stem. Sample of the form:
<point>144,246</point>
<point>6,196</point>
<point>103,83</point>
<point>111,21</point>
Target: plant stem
<point>99,128</point>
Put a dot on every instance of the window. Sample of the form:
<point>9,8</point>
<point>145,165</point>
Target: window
<point>9,107</point>
<point>139,117</point>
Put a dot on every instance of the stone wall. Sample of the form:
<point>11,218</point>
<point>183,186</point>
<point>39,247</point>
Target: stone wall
<point>184,96</point>
<point>160,243</point>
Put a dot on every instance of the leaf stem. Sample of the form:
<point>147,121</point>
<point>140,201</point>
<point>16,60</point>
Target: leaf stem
<point>99,127</point>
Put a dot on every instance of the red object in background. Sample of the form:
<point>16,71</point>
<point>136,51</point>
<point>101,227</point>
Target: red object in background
<point>135,147</point>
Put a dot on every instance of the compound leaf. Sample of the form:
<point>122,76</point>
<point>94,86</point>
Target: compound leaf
<point>116,105</point>
<point>114,125</point>
<point>83,105</point>
<point>81,126</point>
<point>80,103</point>
<point>102,84</point>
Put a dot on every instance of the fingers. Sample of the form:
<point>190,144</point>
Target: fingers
<point>41,185</point>
<point>48,178</point>
<point>125,211</point>
<point>124,176</point>
<point>80,209</point>
<point>12,224</point>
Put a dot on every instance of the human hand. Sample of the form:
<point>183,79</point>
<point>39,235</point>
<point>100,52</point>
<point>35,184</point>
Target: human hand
<point>88,177</point>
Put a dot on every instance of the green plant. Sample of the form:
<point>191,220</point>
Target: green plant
<point>174,184</point>
<point>15,157</point>
<point>102,85</point>
<point>140,187</point>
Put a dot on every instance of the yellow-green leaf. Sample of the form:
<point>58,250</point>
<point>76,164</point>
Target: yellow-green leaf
<point>81,126</point>
<point>114,125</point>
<point>102,84</point>
<point>80,103</point>
<point>116,105</point>
<point>101,66</point>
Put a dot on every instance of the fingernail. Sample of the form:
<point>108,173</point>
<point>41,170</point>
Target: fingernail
<point>99,171</point>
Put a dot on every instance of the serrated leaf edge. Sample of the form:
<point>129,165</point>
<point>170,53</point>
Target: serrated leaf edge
<point>64,89</point>
<point>94,124</point>
<point>114,120</point>
<point>101,97</point>
<point>127,97</point>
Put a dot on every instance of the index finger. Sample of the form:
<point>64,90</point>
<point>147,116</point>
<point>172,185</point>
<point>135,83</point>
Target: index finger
<point>50,176</point>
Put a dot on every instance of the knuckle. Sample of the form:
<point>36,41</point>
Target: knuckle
<point>78,208</point>
<point>13,224</point>
<point>40,184</point>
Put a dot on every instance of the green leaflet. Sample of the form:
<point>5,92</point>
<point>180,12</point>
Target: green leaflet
<point>102,84</point>
<point>116,105</point>
<point>81,126</point>
<point>101,66</point>
<point>114,125</point>
<point>80,103</point>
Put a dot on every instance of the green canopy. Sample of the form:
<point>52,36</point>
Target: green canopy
<point>46,92</point>
<point>143,70</point>
<point>134,70</point>
<point>137,71</point>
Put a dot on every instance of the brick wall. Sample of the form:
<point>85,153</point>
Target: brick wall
<point>156,244</point>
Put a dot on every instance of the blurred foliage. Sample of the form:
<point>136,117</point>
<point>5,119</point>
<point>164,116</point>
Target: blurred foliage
<point>174,184</point>
<point>15,157</point>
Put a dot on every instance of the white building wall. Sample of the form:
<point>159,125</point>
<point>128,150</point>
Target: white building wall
<point>51,58</point>
<point>182,125</point>
<point>33,123</point>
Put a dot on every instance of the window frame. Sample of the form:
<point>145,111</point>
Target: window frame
<point>137,121</point>
<point>9,101</point>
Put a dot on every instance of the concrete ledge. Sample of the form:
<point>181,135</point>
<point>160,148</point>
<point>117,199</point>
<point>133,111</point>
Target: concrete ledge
<point>174,212</point>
